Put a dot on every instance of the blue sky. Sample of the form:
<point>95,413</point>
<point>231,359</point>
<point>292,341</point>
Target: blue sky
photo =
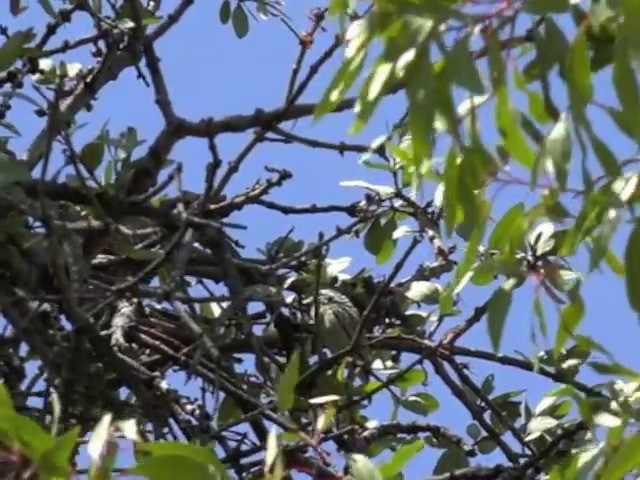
<point>210,72</point>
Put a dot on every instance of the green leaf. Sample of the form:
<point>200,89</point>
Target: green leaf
<point>55,461</point>
<point>471,179</point>
<point>474,431</point>
<point>589,458</point>
<point>179,451</point>
<point>551,47</point>
<point>451,460</point>
<point>506,117</point>
<point>420,83</point>
<point>229,411</point>
<point>400,458</point>
<point>465,270</point>
<point>488,384</point>
<point>501,235</point>
<point>108,173</point>
<point>605,156</point>
<point>629,30</point>
<point>515,142</point>
<point>612,368</point>
<point>48,9</point>
<point>240,21</point>
<point>287,383</point>
<point>544,7</point>
<point>362,468</point>
<point>555,154</point>
<point>225,12</point>
<point>462,68</point>
<point>579,71</point>
<point>632,266</point>
<point>570,318</point>
<point>536,103</point>
<point>421,403</point>
<point>6,404</point>
<point>379,241</point>
<point>450,202</point>
<point>92,154</point>
<point>378,80</point>
<point>486,446</point>
<point>408,379</point>
<point>538,425</point>
<point>348,71</point>
<point>13,48</point>
<point>538,310</point>
<point>626,86</point>
<point>625,459</point>
<point>170,467</point>
<point>31,436</point>
<point>445,106</point>
<point>614,263</point>
<point>497,310</point>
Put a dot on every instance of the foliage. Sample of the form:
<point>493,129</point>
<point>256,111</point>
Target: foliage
<point>114,278</point>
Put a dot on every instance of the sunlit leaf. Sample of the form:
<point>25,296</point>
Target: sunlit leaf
<point>99,438</point>
<point>421,403</point>
<point>382,190</point>
<point>539,425</point>
<point>555,154</point>
<point>362,468</point>
<point>55,461</point>
<point>501,234</point>
<point>272,452</point>
<point>411,378</point>
<point>400,458</point>
<point>423,292</point>
<point>624,460</point>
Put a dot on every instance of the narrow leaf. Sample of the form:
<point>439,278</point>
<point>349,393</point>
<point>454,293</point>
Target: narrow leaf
<point>287,383</point>
<point>462,68</point>
<point>624,460</point>
<point>499,305</point>
<point>632,266</point>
